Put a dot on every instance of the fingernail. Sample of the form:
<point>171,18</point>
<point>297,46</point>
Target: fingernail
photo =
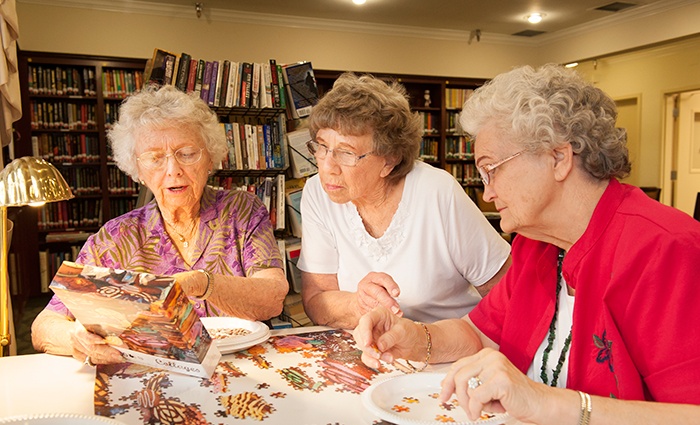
<point>394,292</point>
<point>395,309</point>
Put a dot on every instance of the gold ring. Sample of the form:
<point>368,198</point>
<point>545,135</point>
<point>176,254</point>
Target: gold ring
<point>88,362</point>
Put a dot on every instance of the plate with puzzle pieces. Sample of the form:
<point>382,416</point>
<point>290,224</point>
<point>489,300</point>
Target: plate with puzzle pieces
<point>233,334</point>
<point>413,400</point>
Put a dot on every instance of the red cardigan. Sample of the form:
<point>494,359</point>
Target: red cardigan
<point>636,321</point>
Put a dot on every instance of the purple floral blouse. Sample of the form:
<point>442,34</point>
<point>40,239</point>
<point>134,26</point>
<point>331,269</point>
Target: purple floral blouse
<point>235,238</point>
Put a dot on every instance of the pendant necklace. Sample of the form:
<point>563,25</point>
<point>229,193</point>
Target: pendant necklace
<point>185,243</point>
<point>551,334</point>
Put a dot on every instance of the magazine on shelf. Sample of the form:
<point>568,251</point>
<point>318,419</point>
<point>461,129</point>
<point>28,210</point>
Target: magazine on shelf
<point>146,317</point>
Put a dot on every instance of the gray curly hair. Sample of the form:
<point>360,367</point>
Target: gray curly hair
<point>156,107</point>
<point>360,105</point>
<point>547,107</point>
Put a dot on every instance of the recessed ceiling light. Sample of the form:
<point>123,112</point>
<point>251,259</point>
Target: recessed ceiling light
<point>535,18</point>
<point>359,1</point>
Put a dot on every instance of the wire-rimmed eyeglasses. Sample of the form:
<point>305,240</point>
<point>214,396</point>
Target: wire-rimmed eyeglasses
<point>187,155</point>
<point>486,170</point>
<point>341,156</point>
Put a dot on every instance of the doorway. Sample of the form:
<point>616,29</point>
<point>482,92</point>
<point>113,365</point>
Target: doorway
<point>681,176</point>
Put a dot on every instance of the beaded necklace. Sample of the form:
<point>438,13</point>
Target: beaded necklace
<point>550,336</point>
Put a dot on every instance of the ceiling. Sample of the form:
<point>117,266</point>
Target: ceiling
<point>502,17</point>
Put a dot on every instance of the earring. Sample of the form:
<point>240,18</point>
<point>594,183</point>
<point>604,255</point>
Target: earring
<point>142,182</point>
<point>209,172</point>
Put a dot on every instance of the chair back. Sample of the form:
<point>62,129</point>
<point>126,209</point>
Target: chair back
<point>696,214</point>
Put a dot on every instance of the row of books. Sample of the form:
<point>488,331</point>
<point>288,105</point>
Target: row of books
<point>119,83</point>
<point>220,83</point>
<point>50,261</point>
<point>429,149</point>
<point>111,114</point>
<point>453,126</point>
<point>455,98</point>
<point>56,80</point>
<point>255,146</point>
<point>82,180</point>
<point>121,206</point>
<point>119,183</point>
<point>270,190</point>
<point>66,148</point>
<point>459,147</point>
<point>61,115</point>
<point>465,173</point>
<point>230,84</point>
<point>70,214</point>
<point>430,122</point>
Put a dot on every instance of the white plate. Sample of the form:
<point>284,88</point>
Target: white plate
<point>232,348</point>
<point>259,332</point>
<point>59,419</point>
<point>412,400</point>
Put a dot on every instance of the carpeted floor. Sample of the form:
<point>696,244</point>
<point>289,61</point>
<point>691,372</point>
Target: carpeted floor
<point>23,324</point>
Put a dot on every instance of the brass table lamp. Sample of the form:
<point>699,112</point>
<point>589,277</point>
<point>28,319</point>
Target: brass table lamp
<point>25,181</point>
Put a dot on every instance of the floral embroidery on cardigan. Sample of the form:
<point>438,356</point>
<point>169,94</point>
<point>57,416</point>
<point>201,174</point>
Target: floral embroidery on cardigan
<point>605,356</point>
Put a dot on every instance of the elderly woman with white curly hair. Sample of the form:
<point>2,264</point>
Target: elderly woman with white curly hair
<point>594,322</point>
<point>219,245</point>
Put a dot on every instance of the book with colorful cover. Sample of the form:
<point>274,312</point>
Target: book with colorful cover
<point>148,318</point>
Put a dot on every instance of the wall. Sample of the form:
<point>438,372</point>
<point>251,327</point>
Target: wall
<point>649,73</point>
<point>98,32</point>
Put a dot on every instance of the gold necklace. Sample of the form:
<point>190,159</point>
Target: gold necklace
<point>185,243</point>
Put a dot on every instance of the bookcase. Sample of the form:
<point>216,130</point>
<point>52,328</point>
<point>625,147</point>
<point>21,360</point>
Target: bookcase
<point>68,103</point>
<point>438,100</point>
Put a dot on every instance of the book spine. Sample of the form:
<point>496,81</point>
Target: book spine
<point>215,76</point>
<point>275,83</point>
<point>183,71</point>
<point>246,84</point>
<point>255,89</point>
<point>221,99</point>
<point>192,76</point>
<point>201,67</point>
<point>206,82</point>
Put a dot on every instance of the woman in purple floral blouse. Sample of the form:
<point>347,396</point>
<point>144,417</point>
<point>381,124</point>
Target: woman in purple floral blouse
<point>218,244</point>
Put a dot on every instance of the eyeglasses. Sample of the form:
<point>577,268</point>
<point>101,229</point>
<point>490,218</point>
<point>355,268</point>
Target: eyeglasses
<point>340,156</point>
<point>485,170</point>
<point>187,155</point>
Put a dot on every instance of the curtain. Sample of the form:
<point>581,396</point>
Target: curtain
<point>10,100</point>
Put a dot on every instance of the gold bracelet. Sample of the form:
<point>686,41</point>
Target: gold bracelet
<point>210,285</point>
<point>586,407</point>
<point>429,351</point>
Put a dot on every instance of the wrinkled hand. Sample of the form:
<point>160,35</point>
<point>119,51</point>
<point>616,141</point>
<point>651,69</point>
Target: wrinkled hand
<point>382,335</point>
<point>503,387</point>
<point>377,289</point>
<point>194,282</point>
<point>87,344</point>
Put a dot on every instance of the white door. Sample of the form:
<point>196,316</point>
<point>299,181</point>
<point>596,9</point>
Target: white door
<point>688,159</point>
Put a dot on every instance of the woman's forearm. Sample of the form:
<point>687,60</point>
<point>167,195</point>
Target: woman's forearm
<point>338,309</point>
<point>259,297</point>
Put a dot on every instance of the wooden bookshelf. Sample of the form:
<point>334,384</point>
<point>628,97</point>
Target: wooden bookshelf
<point>68,103</point>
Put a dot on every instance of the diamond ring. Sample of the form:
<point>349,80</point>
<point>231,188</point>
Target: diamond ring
<point>474,382</point>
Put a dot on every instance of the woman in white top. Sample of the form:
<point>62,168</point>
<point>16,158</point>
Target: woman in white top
<point>380,227</point>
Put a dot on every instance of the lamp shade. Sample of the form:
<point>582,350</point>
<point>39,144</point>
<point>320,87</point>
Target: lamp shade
<point>31,180</point>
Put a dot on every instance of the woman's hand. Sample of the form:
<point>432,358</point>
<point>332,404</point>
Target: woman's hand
<point>377,289</point>
<point>496,386</point>
<point>194,282</point>
<point>91,348</point>
<point>382,335</point>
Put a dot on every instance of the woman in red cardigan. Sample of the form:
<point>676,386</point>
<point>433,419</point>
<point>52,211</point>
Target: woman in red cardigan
<point>596,321</point>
